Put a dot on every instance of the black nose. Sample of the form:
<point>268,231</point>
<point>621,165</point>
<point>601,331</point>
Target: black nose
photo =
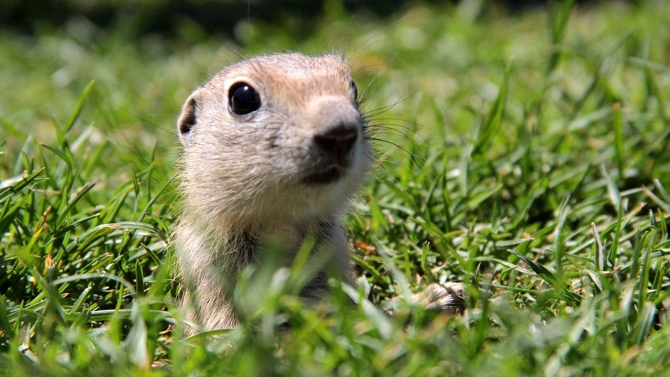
<point>338,141</point>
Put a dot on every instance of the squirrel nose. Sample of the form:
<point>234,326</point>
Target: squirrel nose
<point>337,141</point>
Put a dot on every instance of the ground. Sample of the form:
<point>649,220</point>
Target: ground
<point>524,154</point>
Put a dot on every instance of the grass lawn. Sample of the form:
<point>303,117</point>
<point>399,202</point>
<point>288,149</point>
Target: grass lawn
<point>526,155</point>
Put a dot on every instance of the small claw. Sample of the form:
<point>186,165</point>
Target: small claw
<point>449,297</point>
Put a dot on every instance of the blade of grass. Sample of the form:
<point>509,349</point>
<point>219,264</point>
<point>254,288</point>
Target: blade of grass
<point>78,107</point>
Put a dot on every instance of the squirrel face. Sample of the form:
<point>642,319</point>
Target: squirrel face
<point>274,138</point>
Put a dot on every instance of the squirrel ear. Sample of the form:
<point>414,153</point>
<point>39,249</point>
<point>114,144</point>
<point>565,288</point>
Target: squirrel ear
<point>188,118</point>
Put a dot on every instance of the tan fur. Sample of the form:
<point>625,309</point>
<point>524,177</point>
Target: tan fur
<point>242,179</point>
<point>241,175</point>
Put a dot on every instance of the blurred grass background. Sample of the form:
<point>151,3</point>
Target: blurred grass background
<point>523,150</point>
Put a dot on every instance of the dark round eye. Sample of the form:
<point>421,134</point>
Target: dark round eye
<point>243,99</point>
<point>354,89</point>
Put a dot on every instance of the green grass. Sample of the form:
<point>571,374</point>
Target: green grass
<point>526,155</point>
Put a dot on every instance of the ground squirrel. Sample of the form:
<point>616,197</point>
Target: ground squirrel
<point>274,149</point>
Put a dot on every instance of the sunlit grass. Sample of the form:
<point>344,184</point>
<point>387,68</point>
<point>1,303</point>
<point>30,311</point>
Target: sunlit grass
<point>525,155</point>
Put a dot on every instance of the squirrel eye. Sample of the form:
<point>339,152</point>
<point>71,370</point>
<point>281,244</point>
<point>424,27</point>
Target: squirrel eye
<point>354,89</point>
<point>243,99</point>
